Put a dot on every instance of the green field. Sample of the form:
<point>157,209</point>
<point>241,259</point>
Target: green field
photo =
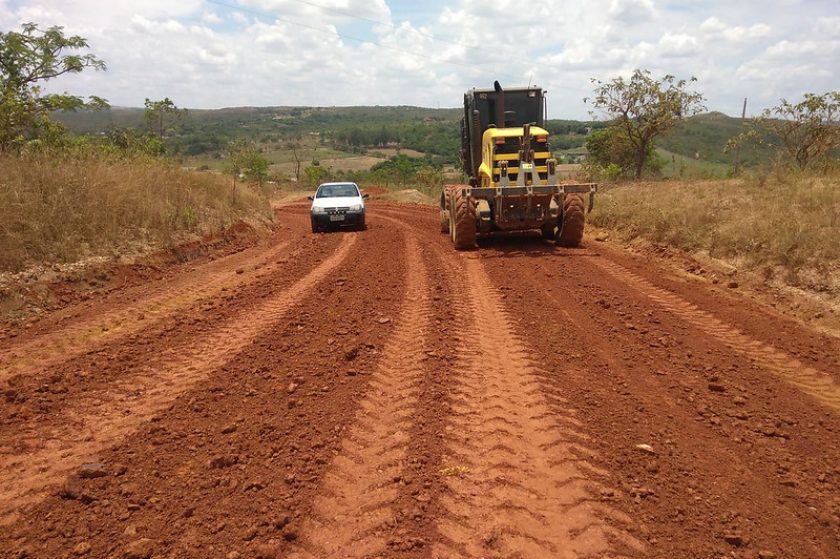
<point>681,166</point>
<point>353,139</point>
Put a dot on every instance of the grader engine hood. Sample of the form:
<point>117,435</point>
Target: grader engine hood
<point>516,156</point>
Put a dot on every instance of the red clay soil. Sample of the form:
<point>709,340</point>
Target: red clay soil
<point>377,394</point>
<point>50,291</point>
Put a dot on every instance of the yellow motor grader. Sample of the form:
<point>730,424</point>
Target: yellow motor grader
<point>513,183</point>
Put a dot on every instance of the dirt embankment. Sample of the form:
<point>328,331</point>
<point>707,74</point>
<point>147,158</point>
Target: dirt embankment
<point>376,394</point>
<point>774,236</point>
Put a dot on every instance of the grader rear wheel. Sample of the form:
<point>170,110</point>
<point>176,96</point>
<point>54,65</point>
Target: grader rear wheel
<point>444,221</point>
<point>462,220</point>
<point>570,232</point>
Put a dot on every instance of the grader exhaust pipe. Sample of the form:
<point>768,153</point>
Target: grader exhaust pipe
<point>500,105</point>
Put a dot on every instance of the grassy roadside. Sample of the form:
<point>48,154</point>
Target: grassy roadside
<point>64,208</point>
<point>782,227</point>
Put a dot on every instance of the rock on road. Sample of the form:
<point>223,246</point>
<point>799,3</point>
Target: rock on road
<point>377,394</point>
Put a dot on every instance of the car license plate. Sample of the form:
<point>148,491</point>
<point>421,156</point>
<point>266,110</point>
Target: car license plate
<point>336,218</point>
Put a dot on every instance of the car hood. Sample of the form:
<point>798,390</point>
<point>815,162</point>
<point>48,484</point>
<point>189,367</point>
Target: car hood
<point>342,202</point>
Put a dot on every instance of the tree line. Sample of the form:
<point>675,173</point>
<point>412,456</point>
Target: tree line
<point>32,56</point>
<point>640,109</point>
<point>634,113</point>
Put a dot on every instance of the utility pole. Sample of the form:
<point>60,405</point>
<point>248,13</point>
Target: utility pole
<point>738,148</point>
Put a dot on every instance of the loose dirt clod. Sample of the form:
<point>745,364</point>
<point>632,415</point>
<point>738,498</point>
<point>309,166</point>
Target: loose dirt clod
<point>139,549</point>
<point>92,471</point>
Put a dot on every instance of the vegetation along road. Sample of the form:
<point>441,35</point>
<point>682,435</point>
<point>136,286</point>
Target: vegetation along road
<point>377,394</point>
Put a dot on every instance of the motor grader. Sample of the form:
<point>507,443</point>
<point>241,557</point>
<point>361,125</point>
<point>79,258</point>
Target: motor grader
<point>513,183</point>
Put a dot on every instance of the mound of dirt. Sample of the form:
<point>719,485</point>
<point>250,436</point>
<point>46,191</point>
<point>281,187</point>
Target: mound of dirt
<point>408,196</point>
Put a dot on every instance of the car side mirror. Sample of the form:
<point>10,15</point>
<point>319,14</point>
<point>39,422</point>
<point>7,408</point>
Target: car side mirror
<point>365,196</point>
<point>310,197</point>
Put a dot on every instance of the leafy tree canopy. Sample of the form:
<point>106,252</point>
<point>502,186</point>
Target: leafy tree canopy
<point>157,114</point>
<point>805,133</point>
<point>642,108</point>
<point>28,59</point>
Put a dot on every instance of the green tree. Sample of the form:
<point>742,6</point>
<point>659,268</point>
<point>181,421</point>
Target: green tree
<point>429,177</point>
<point>238,153</point>
<point>28,59</point>
<point>611,154</point>
<point>315,174</point>
<point>256,168</point>
<point>244,160</point>
<point>643,108</point>
<point>807,132</point>
<point>158,113</point>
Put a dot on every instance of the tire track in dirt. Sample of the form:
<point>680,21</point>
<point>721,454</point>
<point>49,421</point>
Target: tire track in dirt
<point>631,388</point>
<point>352,515</point>
<point>112,415</point>
<point>815,383</point>
<point>518,477</point>
<point>645,379</point>
<point>203,282</point>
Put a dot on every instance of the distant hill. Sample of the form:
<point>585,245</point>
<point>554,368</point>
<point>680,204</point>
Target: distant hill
<point>705,136</point>
<point>433,131</point>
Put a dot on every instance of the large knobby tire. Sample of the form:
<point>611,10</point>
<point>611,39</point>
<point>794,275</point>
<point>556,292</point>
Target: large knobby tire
<point>570,232</point>
<point>549,229</point>
<point>463,234</point>
<point>445,198</point>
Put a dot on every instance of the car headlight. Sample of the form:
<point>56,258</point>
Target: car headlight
<point>317,210</point>
<point>356,208</point>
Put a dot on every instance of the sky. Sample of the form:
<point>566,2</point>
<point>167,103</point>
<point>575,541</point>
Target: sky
<point>213,54</point>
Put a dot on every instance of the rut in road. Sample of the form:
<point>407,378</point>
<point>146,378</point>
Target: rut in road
<point>518,477</point>
<point>518,481</point>
<point>354,508</point>
<point>25,476</point>
<point>87,334</point>
<point>811,381</point>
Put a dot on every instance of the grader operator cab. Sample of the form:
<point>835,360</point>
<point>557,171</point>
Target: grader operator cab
<point>513,179</point>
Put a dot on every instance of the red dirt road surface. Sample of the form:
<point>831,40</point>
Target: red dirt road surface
<point>376,394</point>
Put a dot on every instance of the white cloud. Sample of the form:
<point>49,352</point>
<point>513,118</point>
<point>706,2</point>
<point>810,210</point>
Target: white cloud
<point>274,52</point>
<point>325,10</point>
<point>828,25</point>
<point>211,18</point>
<point>717,29</point>
<point>678,45</point>
<point>216,57</point>
<point>631,11</point>
<point>713,24</point>
<point>172,26</point>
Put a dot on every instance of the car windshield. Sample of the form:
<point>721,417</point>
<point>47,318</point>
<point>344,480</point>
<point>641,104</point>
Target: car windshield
<point>337,191</point>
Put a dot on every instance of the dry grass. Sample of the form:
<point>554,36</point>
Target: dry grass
<point>788,224</point>
<point>68,208</point>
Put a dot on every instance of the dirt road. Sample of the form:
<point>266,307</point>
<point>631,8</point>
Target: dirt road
<point>376,394</point>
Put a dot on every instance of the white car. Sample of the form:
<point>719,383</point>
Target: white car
<point>336,204</point>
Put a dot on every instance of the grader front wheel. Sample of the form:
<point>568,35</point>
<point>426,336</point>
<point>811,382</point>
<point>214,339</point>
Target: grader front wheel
<point>570,232</point>
<point>462,220</point>
<point>549,229</point>
<point>445,205</point>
